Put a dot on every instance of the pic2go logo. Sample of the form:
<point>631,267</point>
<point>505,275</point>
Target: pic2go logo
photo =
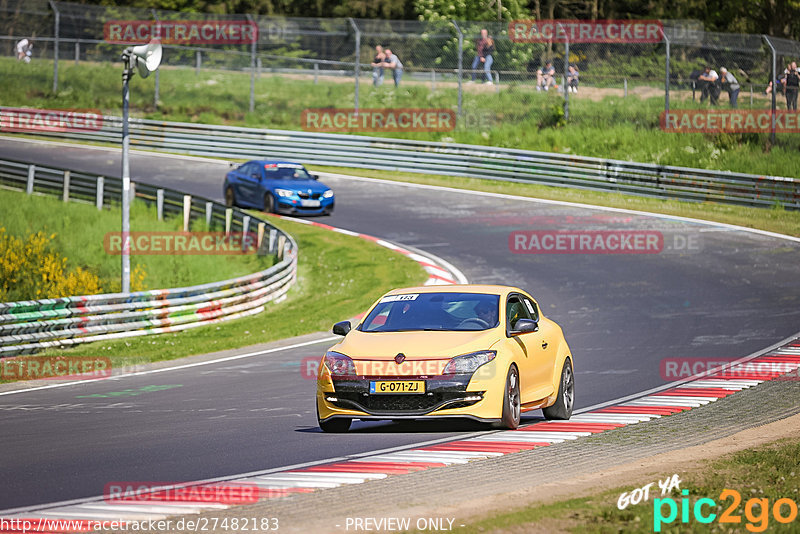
<point>756,511</point>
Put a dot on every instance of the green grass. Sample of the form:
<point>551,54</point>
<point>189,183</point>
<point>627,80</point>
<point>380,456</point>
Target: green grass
<point>614,127</point>
<point>79,231</point>
<point>339,276</point>
<point>766,472</point>
<point>774,219</point>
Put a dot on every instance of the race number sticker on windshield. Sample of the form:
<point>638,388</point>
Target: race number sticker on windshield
<point>395,298</point>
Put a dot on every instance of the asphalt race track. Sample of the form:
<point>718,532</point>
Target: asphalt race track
<point>711,292</point>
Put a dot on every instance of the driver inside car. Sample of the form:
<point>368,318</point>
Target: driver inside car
<point>486,312</point>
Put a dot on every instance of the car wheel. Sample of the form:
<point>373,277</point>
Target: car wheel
<point>511,400</point>
<point>562,409</point>
<point>230,197</point>
<point>269,203</point>
<point>334,426</point>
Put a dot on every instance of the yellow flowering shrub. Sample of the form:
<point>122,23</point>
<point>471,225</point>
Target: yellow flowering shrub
<point>29,270</point>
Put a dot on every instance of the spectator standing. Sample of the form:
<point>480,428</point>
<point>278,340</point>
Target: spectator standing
<point>792,83</point>
<point>484,50</point>
<point>548,78</point>
<point>572,79</point>
<point>711,88</point>
<point>394,63</point>
<point>377,70</point>
<point>731,84</point>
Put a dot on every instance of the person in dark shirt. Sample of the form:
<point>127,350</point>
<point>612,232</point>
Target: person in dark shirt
<point>377,70</point>
<point>484,50</point>
<point>792,83</point>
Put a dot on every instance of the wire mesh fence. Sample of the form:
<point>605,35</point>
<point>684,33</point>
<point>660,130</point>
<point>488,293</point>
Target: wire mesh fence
<point>331,63</point>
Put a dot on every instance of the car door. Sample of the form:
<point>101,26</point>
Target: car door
<point>545,350</point>
<point>250,181</point>
<point>523,346</point>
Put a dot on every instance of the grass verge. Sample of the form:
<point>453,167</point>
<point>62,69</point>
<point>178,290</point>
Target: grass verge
<point>79,231</point>
<point>774,219</point>
<point>338,277</point>
<point>600,124</point>
<point>768,472</point>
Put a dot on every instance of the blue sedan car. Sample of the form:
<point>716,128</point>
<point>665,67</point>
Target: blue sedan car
<point>277,187</point>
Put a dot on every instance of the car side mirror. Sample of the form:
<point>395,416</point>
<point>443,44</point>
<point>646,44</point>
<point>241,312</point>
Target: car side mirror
<point>315,176</point>
<point>342,328</point>
<point>525,326</point>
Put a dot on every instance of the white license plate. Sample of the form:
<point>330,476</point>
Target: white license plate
<point>309,203</point>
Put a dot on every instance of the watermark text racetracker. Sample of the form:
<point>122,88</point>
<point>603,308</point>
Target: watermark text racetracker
<point>55,368</point>
<point>729,121</point>
<point>181,31</point>
<point>585,31</point>
<point>50,120</point>
<point>181,243</point>
<point>672,369</point>
<point>601,242</point>
<point>391,120</point>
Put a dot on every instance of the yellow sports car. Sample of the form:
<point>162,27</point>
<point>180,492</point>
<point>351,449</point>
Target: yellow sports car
<point>476,351</point>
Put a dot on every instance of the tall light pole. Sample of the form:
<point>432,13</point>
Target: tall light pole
<point>145,59</point>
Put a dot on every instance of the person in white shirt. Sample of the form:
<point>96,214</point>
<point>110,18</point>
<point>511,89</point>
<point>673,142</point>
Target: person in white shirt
<point>24,50</point>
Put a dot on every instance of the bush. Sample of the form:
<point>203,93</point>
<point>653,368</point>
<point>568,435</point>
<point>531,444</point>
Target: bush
<point>30,270</point>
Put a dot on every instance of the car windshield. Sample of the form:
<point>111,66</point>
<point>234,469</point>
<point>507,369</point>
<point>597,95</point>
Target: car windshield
<point>433,311</point>
<point>288,173</point>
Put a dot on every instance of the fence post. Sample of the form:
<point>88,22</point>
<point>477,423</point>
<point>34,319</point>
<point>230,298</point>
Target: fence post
<point>132,195</point>
<point>316,72</point>
<point>433,79</point>
<point>625,85</point>
<point>65,194</point>
<point>228,220</point>
<point>99,193</point>
<point>198,62</point>
<point>252,68</point>
<point>460,64</point>
<point>209,212</point>
<point>258,67</point>
<point>751,96</point>
<point>187,211</point>
<point>497,81</point>
<point>31,173</point>
<point>566,74</point>
<point>261,228</point>
<point>77,52</point>
<point>357,59</point>
<point>666,76</point>
<point>245,238</point>
<point>160,204</point>
<point>57,25</point>
<point>774,88</point>
<point>158,71</point>
<point>273,235</point>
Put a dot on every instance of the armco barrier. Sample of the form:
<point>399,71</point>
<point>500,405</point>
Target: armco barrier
<point>358,151</point>
<point>29,326</point>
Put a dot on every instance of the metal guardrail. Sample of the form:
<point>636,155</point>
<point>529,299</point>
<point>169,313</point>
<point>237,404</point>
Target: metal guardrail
<point>659,181</point>
<point>29,326</point>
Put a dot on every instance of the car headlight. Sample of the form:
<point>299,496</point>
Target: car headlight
<point>468,363</point>
<point>339,365</point>
<point>328,193</point>
<point>284,192</point>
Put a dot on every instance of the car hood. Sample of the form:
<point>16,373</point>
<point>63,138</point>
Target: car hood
<point>414,345</point>
<point>300,185</point>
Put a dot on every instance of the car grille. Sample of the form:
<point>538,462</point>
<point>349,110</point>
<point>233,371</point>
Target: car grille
<point>313,196</point>
<point>401,404</point>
